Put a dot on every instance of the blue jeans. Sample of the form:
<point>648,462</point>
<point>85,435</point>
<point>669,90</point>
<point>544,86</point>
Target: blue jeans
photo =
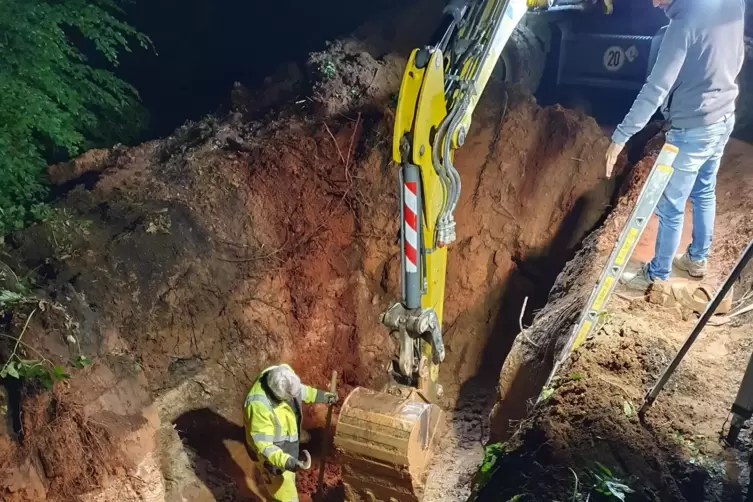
<point>694,176</point>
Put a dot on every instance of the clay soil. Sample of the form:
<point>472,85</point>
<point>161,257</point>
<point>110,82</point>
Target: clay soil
<point>591,415</point>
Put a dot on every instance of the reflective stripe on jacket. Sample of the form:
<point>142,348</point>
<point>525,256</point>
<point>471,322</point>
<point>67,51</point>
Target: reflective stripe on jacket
<point>272,426</point>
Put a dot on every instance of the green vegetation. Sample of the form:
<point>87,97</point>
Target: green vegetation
<point>26,362</point>
<point>603,484</point>
<point>39,368</point>
<point>54,100</point>
<point>557,382</point>
<point>492,453</point>
<point>328,69</point>
<point>628,408</point>
<point>714,466</point>
<point>598,483</point>
<point>607,485</point>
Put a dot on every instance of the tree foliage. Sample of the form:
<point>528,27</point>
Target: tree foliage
<point>55,100</point>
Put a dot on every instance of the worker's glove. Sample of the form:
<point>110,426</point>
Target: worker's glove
<point>293,464</point>
<point>612,153</point>
<point>325,397</point>
<point>304,464</point>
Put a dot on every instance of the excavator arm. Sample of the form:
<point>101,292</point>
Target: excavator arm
<point>385,439</point>
<point>440,89</point>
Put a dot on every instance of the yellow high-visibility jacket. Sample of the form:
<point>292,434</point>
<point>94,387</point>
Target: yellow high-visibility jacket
<point>272,426</point>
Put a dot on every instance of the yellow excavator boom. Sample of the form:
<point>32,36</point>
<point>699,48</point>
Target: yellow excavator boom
<point>385,438</point>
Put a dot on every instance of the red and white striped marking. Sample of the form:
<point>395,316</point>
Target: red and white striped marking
<point>410,212</point>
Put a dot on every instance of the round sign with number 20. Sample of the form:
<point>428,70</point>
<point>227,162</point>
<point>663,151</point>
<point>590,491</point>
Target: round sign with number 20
<point>614,58</point>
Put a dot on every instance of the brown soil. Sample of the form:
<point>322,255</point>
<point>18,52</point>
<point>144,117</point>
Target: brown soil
<point>675,455</point>
<point>76,452</point>
<point>185,265</point>
<point>348,77</point>
<point>191,263</point>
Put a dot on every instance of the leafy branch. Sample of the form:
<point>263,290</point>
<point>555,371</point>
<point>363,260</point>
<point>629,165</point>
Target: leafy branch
<point>489,466</point>
<point>8,363</point>
<point>53,102</point>
<point>606,484</point>
<point>41,367</point>
<point>602,482</point>
<point>44,369</point>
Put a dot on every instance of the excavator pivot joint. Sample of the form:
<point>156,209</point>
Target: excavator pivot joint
<point>412,324</point>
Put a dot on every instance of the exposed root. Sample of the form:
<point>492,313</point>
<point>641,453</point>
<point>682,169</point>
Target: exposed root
<point>76,451</point>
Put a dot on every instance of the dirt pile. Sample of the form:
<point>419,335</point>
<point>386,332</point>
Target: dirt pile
<point>186,265</point>
<point>590,415</point>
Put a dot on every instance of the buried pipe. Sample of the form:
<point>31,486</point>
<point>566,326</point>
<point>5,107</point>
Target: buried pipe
<point>710,309</point>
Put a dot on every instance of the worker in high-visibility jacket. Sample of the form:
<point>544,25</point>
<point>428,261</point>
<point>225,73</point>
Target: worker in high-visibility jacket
<point>273,415</point>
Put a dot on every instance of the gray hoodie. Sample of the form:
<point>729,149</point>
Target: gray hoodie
<point>694,76</point>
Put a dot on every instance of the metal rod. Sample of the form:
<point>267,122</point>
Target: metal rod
<point>710,309</point>
<point>560,8</point>
<point>326,436</point>
<point>562,3</point>
<point>742,408</point>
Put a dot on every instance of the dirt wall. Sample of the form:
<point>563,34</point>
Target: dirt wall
<point>532,355</point>
<point>188,264</point>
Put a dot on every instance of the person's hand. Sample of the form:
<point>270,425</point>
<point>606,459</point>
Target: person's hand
<point>294,465</point>
<point>612,153</point>
<point>330,397</point>
<point>304,464</point>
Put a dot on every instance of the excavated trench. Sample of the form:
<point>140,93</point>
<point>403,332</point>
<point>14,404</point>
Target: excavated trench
<point>185,265</point>
<point>587,426</point>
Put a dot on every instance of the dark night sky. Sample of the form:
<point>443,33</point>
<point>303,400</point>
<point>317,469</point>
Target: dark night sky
<point>203,46</point>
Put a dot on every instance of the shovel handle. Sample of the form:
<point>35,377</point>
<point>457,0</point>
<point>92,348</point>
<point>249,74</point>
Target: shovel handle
<point>325,436</point>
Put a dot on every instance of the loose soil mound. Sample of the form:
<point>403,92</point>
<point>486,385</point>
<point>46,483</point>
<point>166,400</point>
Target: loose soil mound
<point>590,415</point>
<point>191,263</point>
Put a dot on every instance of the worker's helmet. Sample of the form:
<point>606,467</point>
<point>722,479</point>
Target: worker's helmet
<point>284,383</point>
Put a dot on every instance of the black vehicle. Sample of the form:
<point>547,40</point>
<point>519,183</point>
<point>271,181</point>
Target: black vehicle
<point>575,48</point>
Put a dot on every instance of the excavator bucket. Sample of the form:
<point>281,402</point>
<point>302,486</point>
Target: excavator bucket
<point>385,442</point>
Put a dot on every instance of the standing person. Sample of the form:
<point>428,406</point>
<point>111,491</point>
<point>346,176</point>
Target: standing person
<point>693,80</point>
<point>273,416</point>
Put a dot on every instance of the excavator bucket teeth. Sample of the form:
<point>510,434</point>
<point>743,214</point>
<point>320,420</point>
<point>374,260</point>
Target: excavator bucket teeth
<point>385,442</point>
